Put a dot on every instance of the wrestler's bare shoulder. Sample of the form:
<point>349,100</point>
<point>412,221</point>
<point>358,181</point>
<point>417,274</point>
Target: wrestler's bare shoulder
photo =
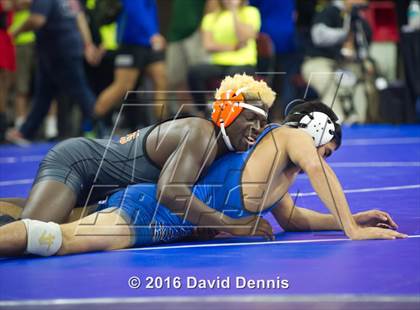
<point>199,124</point>
<point>286,131</point>
<point>192,132</point>
<point>189,125</point>
<point>280,136</point>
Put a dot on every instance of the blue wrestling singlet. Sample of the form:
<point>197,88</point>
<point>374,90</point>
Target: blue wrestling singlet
<point>220,189</point>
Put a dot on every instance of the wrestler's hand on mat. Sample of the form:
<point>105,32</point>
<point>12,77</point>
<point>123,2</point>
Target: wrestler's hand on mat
<point>375,218</point>
<point>365,233</point>
<point>246,227</point>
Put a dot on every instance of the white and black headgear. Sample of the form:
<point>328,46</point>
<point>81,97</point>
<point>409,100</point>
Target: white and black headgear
<point>321,127</point>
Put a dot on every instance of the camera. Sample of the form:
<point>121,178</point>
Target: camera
<point>356,9</point>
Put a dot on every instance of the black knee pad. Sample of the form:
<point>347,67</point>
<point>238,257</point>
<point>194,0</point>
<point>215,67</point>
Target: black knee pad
<point>6,219</point>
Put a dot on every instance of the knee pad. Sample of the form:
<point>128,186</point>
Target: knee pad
<point>6,219</point>
<point>44,239</point>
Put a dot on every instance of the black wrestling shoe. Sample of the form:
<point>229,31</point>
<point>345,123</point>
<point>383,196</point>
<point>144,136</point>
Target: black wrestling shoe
<point>6,219</point>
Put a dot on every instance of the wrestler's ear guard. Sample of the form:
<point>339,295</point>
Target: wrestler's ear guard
<point>317,124</point>
<point>226,107</point>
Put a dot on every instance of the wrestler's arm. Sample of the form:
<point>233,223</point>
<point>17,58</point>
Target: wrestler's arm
<point>302,152</point>
<point>293,218</point>
<point>182,169</point>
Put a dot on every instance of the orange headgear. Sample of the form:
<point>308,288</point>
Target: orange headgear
<point>229,105</point>
<point>227,108</point>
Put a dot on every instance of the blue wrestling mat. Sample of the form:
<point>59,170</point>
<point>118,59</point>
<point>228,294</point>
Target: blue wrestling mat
<point>378,166</point>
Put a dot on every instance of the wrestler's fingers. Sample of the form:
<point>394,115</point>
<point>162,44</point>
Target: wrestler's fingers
<point>264,222</point>
<point>383,225</point>
<point>266,226</point>
<point>266,231</point>
<point>389,219</point>
<point>396,234</point>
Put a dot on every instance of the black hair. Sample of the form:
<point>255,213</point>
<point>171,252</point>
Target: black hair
<point>304,108</point>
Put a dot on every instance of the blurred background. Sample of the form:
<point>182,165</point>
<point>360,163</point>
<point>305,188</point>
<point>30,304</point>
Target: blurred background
<point>67,66</point>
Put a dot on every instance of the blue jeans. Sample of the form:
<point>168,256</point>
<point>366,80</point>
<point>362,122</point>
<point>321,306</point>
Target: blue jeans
<point>58,76</point>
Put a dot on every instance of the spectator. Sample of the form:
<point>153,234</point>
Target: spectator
<point>340,37</point>
<point>229,35</point>
<point>25,45</point>
<point>7,60</point>
<point>102,18</point>
<point>277,20</point>
<point>141,48</point>
<point>184,47</point>
<point>59,48</point>
<point>25,54</point>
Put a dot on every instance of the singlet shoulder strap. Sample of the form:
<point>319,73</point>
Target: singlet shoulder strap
<point>266,130</point>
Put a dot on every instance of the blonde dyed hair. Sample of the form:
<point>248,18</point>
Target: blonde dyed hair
<point>254,90</point>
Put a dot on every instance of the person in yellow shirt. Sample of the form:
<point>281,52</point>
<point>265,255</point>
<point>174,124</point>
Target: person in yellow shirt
<point>229,35</point>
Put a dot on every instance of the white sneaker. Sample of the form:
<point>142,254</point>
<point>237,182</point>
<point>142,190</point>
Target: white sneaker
<point>14,136</point>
